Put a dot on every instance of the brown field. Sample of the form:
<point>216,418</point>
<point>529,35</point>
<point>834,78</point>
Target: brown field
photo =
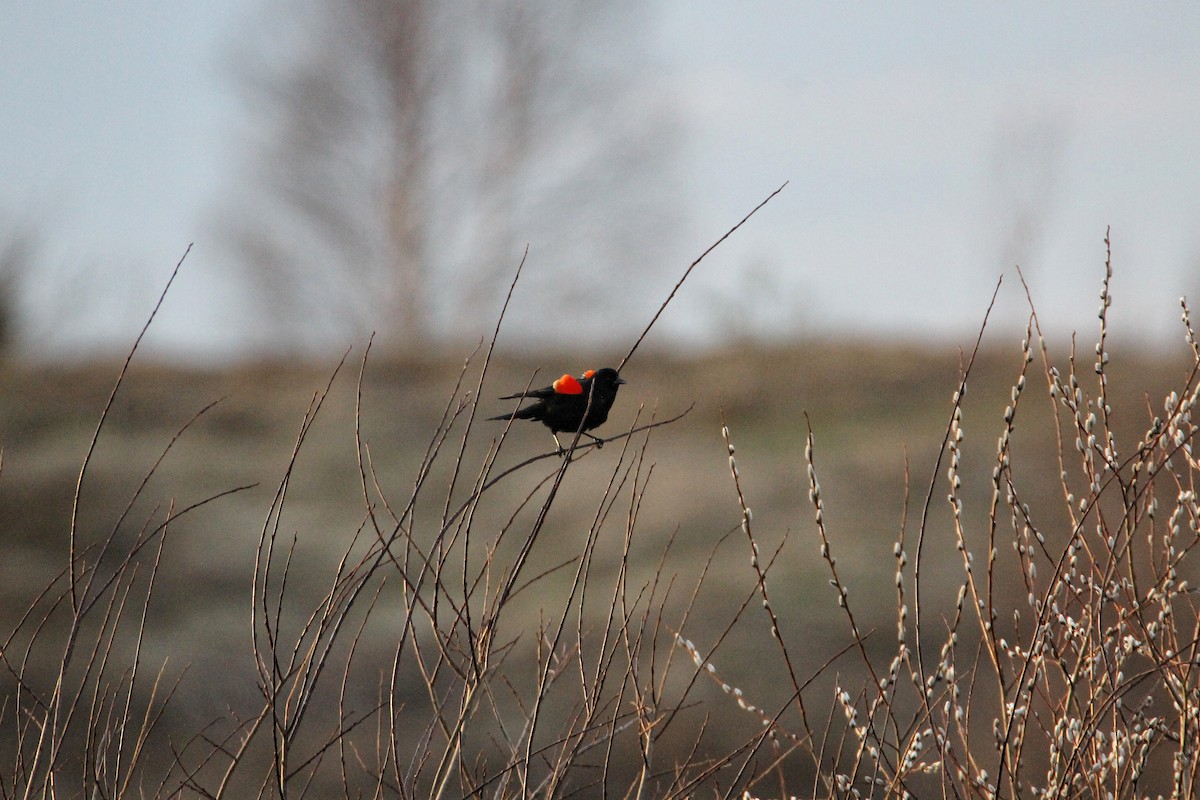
<point>878,413</point>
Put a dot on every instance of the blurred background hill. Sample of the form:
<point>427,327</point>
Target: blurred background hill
<point>878,410</point>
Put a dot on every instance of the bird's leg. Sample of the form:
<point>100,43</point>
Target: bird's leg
<point>557,444</point>
<point>599,442</point>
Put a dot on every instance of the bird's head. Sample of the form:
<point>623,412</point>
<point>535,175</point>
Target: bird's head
<point>606,379</point>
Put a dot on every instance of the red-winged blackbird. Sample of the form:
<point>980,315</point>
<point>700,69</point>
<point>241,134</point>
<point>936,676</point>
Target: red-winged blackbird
<point>561,405</point>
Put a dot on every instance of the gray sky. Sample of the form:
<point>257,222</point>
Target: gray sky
<point>929,147</point>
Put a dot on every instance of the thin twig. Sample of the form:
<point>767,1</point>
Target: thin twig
<point>688,272</point>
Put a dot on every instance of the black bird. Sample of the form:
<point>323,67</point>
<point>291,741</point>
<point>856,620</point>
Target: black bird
<point>561,405</point>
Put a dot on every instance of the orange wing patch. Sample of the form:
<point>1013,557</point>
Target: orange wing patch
<point>589,374</point>
<point>567,385</point>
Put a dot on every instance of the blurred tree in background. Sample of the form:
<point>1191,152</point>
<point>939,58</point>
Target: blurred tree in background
<point>20,255</point>
<point>411,149</point>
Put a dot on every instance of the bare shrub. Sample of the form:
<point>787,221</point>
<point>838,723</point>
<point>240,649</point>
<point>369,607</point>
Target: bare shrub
<point>446,652</point>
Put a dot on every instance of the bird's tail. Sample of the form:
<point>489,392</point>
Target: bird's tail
<point>520,413</point>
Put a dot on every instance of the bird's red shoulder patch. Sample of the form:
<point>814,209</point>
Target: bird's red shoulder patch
<point>589,374</point>
<point>567,384</point>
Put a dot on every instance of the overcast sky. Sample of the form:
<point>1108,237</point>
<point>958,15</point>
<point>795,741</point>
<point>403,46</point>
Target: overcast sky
<point>929,148</point>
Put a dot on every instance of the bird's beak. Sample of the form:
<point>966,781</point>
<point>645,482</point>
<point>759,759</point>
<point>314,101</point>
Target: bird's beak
<point>620,380</point>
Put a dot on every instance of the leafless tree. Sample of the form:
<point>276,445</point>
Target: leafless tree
<point>1026,170</point>
<point>19,247</point>
<point>411,148</point>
